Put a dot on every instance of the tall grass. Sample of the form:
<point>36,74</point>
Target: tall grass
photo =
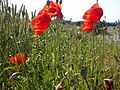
<point>57,56</point>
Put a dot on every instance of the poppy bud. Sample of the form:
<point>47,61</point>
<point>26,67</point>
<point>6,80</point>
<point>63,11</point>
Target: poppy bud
<point>57,1</point>
<point>48,2</point>
<point>23,13</point>
<point>60,1</point>
<point>79,35</point>
<point>9,9</point>
<point>83,72</point>
<point>97,1</point>
<point>28,49</point>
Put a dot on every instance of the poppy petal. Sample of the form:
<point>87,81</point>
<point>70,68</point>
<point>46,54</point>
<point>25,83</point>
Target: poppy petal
<point>17,58</point>
<point>94,13</point>
<point>87,26</point>
<point>40,23</point>
<point>91,16</point>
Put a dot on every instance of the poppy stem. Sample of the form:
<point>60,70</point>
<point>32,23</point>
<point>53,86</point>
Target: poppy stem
<point>103,49</point>
<point>87,82</point>
<point>18,48</point>
<point>52,29</point>
<point>93,61</point>
<point>3,54</point>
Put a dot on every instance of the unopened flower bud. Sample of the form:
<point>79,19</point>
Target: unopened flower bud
<point>97,1</point>
<point>48,2</point>
<point>57,1</point>
<point>9,9</point>
<point>83,72</point>
<point>23,13</point>
<point>60,1</point>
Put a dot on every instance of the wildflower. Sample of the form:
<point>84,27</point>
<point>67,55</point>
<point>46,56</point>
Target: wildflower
<point>41,22</point>
<point>91,16</point>
<point>79,35</point>
<point>18,58</point>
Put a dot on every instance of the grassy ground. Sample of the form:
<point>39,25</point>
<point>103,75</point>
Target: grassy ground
<point>61,55</point>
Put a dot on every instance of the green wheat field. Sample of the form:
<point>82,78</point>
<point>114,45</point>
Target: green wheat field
<point>62,55</point>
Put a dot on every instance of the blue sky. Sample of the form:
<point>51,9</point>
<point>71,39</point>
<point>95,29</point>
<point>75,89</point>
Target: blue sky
<point>75,9</point>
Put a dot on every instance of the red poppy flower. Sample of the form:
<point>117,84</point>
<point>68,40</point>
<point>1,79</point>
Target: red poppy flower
<point>41,22</point>
<point>94,13</point>
<point>91,16</point>
<point>18,58</point>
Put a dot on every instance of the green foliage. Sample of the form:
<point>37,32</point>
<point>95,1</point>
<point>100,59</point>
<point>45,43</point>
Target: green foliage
<point>56,56</point>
